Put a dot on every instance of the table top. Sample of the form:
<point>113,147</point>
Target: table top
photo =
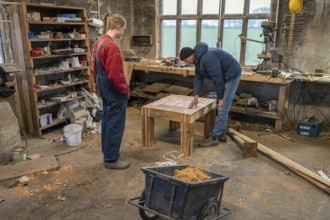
<point>173,105</point>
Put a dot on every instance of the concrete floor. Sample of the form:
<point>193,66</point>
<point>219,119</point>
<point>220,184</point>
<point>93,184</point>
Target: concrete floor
<point>82,188</point>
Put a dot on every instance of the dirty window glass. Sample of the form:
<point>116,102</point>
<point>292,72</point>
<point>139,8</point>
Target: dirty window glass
<point>259,7</point>
<point>254,48</point>
<point>210,32</point>
<point>211,6</point>
<point>189,7</point>
<point>169,7</point>
<point>168,38</point>
<point>188,33</point>
<point>234,6</point>
<point>231,41</point>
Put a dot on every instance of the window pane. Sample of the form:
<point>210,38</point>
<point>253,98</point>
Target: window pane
<point>210,32</point>
<point>234,6</point>
<point>259,7</point>
<point>169,7</point>
<point>168,38</point>
<point>231,42</point>
<point>188,33</point>
<point>211,6</point>
<point>253,48</point>
<point>189,7</point>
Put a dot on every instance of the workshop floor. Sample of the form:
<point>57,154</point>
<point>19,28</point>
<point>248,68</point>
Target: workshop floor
<point>82,188</point>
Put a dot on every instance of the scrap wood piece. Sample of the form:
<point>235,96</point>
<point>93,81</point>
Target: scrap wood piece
<point>249,148</point>
<point>287,162</point>
<point>27,167</point>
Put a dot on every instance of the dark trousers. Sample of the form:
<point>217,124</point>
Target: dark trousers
<point>113,125</point>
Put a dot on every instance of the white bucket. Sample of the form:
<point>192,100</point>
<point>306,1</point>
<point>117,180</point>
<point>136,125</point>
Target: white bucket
<point>72,134</point>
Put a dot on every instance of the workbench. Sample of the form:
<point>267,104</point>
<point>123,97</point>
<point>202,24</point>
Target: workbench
<point>175,109</point>
<point>283,96</point>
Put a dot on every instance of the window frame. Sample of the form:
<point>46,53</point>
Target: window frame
<point>199,17</point>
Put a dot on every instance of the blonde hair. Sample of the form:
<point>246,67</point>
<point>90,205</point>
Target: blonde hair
<point>116,21</point>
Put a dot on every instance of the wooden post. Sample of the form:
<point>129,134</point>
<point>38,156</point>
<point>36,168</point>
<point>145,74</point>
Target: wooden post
<point>249,148</point>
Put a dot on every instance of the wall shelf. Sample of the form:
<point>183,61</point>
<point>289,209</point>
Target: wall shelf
<point>43,69</point>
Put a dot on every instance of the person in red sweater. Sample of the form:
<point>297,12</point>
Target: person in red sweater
<point>114,91</point>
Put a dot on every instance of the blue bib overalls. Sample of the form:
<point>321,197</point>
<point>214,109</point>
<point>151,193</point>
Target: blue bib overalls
<point>114,113</point>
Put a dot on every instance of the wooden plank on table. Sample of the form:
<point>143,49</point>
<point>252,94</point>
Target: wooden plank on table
<point>187,71</point>
<point>27,167</point>
<point>285,161</point>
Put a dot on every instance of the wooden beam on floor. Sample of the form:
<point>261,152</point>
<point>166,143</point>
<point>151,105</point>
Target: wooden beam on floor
<point>297,168</point>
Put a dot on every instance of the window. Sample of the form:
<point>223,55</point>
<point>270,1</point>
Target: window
<point>209,32</point>
<point>168,37</point>
<point>188,33</point>
<point>183,23</point>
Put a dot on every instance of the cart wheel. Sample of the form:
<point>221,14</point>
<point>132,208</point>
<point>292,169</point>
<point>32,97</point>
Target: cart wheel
<point>143,213</point>
<point>210,210</point>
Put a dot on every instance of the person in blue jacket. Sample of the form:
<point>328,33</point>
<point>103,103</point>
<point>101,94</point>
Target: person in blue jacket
<point>225,73</point>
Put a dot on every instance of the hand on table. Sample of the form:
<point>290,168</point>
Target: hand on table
<point>194,103</point>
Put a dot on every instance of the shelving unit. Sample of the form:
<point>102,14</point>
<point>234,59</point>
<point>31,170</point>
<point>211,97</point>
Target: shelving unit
<point>46,77</point>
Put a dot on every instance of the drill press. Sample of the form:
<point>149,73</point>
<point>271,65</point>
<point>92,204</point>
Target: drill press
<point>266,55</point>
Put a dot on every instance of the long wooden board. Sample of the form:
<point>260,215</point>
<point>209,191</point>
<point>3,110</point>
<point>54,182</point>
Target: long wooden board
<point>285,161</point>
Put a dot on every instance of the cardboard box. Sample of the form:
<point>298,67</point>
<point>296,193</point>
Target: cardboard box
<point>33,16</point>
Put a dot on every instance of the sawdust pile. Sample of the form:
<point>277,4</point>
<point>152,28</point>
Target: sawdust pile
<point>56,180</point>
<point>191,174</point>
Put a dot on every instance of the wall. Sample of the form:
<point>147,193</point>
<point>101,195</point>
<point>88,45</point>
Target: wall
<point>310,50</point>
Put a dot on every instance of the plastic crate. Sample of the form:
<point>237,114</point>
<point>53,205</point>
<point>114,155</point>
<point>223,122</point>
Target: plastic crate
<point>178,199</point>
<point>312,128</point>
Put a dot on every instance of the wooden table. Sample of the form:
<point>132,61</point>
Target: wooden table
<point>283,84</point>
<point>174,108</point>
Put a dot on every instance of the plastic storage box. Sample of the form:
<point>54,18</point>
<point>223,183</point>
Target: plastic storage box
<point>311,128</point>
<point>176,198</point>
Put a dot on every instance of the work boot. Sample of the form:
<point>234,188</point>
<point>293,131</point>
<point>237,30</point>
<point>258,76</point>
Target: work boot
<point>209,142</point>
<point>223,137</point>
<point>118,164</point>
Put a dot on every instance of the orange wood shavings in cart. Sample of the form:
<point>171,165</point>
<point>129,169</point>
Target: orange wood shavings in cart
<point>191,174</point>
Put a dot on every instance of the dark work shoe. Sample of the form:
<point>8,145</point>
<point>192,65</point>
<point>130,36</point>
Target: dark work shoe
<point>223,137</point>
<point>209,142</point>
<point>118,164</point>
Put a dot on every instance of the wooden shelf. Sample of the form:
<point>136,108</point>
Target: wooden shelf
<point>49,73</point>
<point>50,104</point>
<point>40,73</point>
<point>63,86</point>
<point>53,6</point>
<point>55,23</point>
<point>56,56</point>
<point>253,111</point>
<point>56,121</point>
<point>57,40</point>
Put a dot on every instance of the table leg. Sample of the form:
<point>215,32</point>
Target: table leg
<point>187,136</point>
<point>174,125</point>
<point>148,128</point>
<point>209,122</point>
